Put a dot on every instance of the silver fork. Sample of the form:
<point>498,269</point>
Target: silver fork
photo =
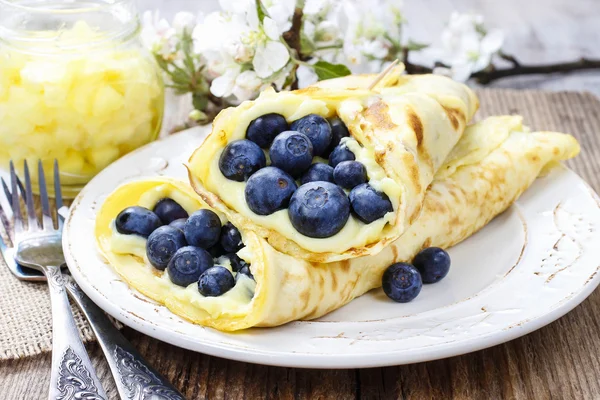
<point>40,248</point>
<point>134,377</point>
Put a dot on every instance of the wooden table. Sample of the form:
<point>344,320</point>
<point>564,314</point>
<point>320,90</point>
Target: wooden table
<point>559,361</point>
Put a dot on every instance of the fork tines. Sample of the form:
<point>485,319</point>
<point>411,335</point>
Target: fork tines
<point>16,187</point>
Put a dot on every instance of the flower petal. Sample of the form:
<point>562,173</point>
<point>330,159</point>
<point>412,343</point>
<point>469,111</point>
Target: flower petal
<point>271,29</point>
<point>223,85</point>
<point>306,76</point>
<point>462,72</point>
<point>492,42</point>
<point>270,58</point>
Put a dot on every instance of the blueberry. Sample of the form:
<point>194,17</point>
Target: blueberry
<point>317,129</point>
<point>291,152</point>
<point>240,159</point>
<point>318,172</point>
<point>338,132</point>
<point>168,210</point>
<point>203,229</point>
<point>137,221</point>
<point>162,244</point>
<point>319,209</point>
<point>245,270</point>
<point>216,251</point>
<point>179,223</point>
<point>231,239</point>
<point>349,174</point>
<point>269,190</point>
<point>263,129</point>
<point>188,264</point>
<point>368,204</point>
<point>236,262</point>
<point>401,282</point>
<point>215,281</point>
<point>339,154</point>
<point>433,263</point>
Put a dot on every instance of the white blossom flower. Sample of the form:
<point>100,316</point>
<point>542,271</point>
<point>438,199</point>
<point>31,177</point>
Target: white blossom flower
<point>281,11</point>
<point>373,30</point>
<point>184,20</point>
<point>271,54</point>
<point>157,34</point>
<point>466,47</point>
<point>247,85</point>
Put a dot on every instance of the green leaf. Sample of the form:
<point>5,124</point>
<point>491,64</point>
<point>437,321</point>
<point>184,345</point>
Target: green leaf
<point>325,70</point>
<point>261,11</point>
<point>416,46</point>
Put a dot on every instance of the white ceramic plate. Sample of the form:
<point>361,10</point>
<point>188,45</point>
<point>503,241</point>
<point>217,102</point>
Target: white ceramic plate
<point>530,266</point>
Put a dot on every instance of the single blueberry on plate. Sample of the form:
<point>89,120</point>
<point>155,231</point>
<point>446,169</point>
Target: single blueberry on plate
<point>318,172</point>
<point>401,282</point>
<point>179,223</point>
<point>236,262</point>
<point>231,238</point>
<point>269,190</point>
<point>263,129</point>
<point>433,263</point>
<point>291,152</point>
<point>349,174</point>
<point>245,270</point>
<point>215,281</point>
<point>137,221</point>
<point>168,210</point>
<point>187,264</point>
<point>317,129</point>
<point>319,209</point>
<point>339,154</point>
<point>368,204</point>
<point>203,229</point>
<point>240,159</point>
<point>162,244</point>
<point>338,132</point>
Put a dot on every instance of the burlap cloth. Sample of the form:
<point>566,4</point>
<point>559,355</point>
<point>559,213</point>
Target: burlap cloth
<point>25,318</point>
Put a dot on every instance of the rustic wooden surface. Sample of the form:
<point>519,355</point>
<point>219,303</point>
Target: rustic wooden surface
<point>560,361</point>
<point>536,31</point>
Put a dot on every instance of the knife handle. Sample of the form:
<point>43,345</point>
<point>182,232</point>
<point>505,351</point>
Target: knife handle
<point>134,377</point>
<point>72,374</point>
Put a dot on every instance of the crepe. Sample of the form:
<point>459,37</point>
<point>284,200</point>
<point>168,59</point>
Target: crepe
<point>401,135</point>
<point>493,164</point>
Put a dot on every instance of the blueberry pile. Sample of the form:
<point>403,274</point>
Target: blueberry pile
<point>319,197</point>
<point>402,282</point>
<point>187,246</point>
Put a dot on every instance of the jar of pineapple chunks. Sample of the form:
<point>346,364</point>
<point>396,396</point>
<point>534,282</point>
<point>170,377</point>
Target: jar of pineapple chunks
<point>76,85</point>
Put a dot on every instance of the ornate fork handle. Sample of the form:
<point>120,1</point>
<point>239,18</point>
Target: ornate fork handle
<point>134,378</point>
<point>72,375</point>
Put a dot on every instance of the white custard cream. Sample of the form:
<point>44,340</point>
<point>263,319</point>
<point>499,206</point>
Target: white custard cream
<point>237,301</point>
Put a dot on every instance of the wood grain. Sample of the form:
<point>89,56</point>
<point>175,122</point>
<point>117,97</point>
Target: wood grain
<point>560,361</point>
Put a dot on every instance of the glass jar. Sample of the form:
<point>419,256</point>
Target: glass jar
<point>76,85</point>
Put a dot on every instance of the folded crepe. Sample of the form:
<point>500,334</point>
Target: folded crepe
<point>401,133</point>
<point>493,164</point>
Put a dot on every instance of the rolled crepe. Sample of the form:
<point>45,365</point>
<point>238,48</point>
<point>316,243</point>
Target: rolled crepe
<point>401,137</point>
<point>494,163</point>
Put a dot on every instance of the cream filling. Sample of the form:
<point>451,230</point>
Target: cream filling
<point>235,302</point>
<point>354,234</point>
